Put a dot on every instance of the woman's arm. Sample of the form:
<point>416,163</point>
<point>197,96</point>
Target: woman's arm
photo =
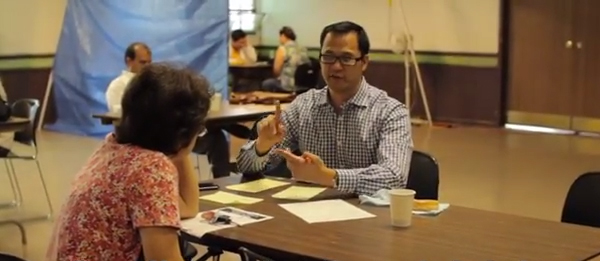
<point>279,60</point>
<point>250,53</point>
<point>160,243</point>
<point>154,206</point>
<point>188,187</point>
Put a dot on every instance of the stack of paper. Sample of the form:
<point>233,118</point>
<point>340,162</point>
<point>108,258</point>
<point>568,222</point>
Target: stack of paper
<point>299,193</point>
<point>257,185</point>
<point>326,211</point>
<point>230,198</point>
<point>198,226</point>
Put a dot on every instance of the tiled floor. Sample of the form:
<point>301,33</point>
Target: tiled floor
<point>494,169</point>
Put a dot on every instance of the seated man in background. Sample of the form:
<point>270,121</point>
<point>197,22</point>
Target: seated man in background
<point>213,143</point>
<point>240,50</point>
<point>288,57</point>
<point>137,55</point>
<point>128,199</point>
<point>353,136</point>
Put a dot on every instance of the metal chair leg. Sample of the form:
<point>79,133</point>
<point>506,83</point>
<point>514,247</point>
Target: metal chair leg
<point>48,200</point>
<point>16,201</point>
<point>20,227</point>
<point>17,186</point>
<point>23,234</point>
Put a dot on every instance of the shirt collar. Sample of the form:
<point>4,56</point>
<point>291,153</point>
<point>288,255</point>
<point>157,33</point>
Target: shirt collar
<point>359,99</point>
<point>127,73</point>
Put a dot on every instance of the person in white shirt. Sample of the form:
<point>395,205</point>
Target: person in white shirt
<point>213,143</point>
<point>137,55</point>
<point>240,50</point>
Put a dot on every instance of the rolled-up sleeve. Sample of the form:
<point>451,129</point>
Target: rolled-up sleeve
<point>248,160</point>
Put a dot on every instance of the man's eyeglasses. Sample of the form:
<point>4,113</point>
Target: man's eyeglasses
<point>344,60</point>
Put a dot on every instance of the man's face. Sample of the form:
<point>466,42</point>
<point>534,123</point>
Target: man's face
<point>143,57</point>
<point>342,64</point>
<point>240,43</point>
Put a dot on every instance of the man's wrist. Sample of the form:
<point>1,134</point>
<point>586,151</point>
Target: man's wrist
<point>262,148</point>
<point>331,178</point>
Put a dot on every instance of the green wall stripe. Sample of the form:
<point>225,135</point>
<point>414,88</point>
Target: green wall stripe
<point>26,63</point>
<point>441,59</point>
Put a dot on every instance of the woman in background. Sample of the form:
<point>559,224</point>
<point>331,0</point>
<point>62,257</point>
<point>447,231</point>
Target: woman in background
<point>128,199</point>
<point>288,57</point>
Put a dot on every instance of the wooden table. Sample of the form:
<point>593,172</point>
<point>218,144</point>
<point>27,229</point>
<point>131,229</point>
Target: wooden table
<point>14,124</point>
<point>228,114</point>
<point>259,65</point>
<point>457,234</point>
<point>253,73</point>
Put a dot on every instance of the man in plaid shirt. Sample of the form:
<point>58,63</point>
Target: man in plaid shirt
<point>353,136</point>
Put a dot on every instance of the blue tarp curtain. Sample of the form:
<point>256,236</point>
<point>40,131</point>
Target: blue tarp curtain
<point>95,35</point>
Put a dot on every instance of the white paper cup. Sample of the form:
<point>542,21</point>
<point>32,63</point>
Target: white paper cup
<point>215,102</point>
<point>401,205</point>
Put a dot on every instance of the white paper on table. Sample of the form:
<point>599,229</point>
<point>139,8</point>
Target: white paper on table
<point>326,211</point>
<point>299,193</point>
<point>198,226</point>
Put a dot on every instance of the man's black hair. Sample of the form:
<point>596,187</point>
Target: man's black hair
<point>238,34</point>
<point>345,27</point>
<point>130,51</point>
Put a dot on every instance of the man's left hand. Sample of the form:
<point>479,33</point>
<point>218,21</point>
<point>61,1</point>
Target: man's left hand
<point>308,168</point>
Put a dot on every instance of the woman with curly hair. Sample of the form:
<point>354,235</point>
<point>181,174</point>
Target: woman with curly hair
<point>128,199</point>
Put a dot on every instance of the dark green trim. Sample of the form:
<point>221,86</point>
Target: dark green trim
<point>458,59</point>
<point>32,62</point>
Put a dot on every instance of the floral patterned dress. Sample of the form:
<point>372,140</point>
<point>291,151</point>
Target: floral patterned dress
<point>121,189</point>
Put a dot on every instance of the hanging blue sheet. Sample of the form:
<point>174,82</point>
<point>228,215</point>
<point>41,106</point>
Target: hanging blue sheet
<point>95,35</point>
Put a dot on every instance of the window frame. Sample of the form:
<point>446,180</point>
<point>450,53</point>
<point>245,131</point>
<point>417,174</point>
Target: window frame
<point>240,13</point>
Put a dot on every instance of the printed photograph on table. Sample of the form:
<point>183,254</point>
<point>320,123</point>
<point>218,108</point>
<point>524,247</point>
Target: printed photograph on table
<point>217,219</point>
<point>242,213</point>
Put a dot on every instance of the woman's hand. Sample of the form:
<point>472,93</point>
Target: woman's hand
<point>188,181</point>
<point>184,153</point>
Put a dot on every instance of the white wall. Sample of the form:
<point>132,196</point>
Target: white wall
<point>30,26</point>
<point>470,26</point>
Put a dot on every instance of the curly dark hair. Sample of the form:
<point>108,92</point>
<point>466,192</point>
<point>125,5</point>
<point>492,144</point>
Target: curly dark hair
<point>163,108</point>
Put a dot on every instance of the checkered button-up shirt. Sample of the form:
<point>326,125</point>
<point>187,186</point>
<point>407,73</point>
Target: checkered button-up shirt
<point>368,143</point>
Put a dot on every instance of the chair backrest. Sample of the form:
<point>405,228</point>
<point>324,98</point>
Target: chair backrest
<point>26,108</point>
<point>582,204</point>
<point>7,257</point>
<point>424,177</point>
<point>307,75</point>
